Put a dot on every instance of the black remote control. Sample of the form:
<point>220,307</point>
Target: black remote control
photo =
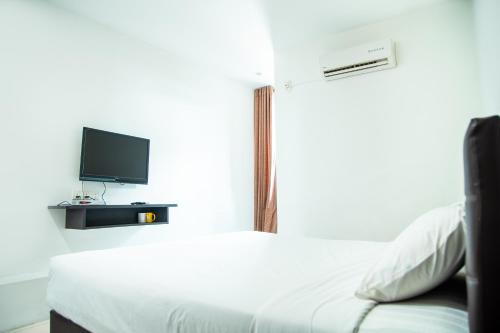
<point>138,203</point>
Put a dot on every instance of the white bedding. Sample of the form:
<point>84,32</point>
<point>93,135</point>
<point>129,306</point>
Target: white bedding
<point>240,282</point>
<point>443,310</point>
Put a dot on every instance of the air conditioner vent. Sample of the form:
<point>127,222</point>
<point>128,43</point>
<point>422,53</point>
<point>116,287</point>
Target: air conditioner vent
<point>356,67</point>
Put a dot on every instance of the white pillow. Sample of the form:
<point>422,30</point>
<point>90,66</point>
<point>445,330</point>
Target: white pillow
<point>424,255</point>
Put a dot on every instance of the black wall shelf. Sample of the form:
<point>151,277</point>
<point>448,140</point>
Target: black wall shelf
<point>108,216</point>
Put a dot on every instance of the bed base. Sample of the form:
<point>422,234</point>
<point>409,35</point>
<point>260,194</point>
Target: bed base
<point>59,324</point>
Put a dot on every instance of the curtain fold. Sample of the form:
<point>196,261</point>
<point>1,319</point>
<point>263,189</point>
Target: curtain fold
<point>265,207</point>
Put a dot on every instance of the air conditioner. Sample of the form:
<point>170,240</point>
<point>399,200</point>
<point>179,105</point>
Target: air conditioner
<point>361,59</point>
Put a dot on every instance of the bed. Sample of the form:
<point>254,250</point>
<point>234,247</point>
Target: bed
<point>237,282</point>
<point>264,283</point>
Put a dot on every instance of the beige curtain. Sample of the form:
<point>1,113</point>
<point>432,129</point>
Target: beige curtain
<point>265,212</point>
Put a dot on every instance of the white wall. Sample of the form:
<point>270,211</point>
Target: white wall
<point>60,72</point>
<point>487,24</point>
<point>360,158</point>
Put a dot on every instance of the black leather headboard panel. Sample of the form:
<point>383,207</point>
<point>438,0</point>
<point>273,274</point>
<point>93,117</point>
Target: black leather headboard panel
<point>482,190</point>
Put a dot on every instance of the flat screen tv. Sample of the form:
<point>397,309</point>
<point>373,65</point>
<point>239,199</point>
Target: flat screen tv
<point>113,157</point>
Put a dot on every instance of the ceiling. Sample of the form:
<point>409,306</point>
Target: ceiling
<point>225,35</point>
<point>235,37</point>
<point>293,21</point>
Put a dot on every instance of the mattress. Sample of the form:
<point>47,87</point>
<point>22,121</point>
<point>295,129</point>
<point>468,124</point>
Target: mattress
<point>237,282</point>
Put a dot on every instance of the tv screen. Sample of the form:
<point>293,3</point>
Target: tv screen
<point>113,157</point>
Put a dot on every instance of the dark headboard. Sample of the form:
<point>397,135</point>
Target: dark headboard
<point>482,190</point>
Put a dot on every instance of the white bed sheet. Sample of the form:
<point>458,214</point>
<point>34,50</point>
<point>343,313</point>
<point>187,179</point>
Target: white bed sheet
<point>443,310</point>
<point>239,282</point>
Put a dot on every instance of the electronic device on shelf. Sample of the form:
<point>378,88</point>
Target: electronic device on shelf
<point>85,200</point>
<point>113,157</point>
<point>138,203</point>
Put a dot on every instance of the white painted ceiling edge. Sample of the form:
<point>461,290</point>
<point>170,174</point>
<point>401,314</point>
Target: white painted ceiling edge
<point>225,36</point>
<point>293,23</point>
<point>236,38</point>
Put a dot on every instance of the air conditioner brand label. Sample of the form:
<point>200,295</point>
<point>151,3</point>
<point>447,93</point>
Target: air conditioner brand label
<point>376,49</point>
